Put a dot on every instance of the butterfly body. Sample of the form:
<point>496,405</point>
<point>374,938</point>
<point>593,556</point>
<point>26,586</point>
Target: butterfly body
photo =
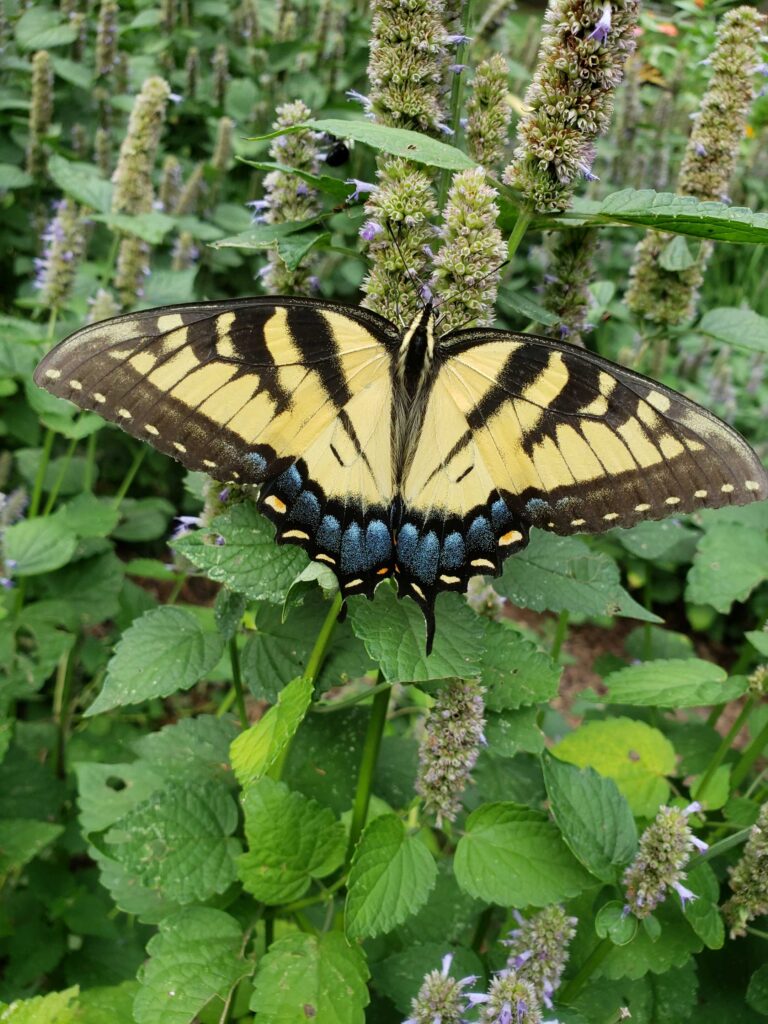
<point>405,454</point>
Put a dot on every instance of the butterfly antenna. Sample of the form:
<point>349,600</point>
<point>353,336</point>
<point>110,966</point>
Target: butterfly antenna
<point>424,289</point>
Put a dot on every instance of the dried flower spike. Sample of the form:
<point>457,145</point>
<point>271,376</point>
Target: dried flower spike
<point>749,879</point>
<point>489,112</point>
<point>538,949</point>
<point>453,734</point>
<point>665,848</point>
<point>40,111</point>
<point>469,261</point>
<point>584,48</point>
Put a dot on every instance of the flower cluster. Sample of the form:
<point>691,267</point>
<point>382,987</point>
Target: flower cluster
<point>184,253</point>
<point>538,949</point>
<point>40,110</point>
<point>670,296</point>
<point>12,508</point>
<point>665,849</point>
<point>749,879</point>
<point>133,175</point>
<point>569,102</point>
<point>132,269</point>
<point>220,66</point>
<point>489,112</point>
<point>566,291</point>
<point>289,198</point>
<point>471,254</point>
<point>407,64</point>
<point>441,998</point>
<point>483,599</point>
<point>102,306</point>
<point>453,734</point>
<point>106,37</point>
<point>170,183</point>
<point>64,242</point>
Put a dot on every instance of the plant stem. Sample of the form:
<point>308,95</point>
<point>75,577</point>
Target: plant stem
<point>721,846</point>
<point>524,217</point>
<point>237,682</point>
<point>722,750</point>
<point>560,634</point>
<point>714,714</point>
<point>367,767</point>
<point>315,662</point>
<point>61,705</point>
<point>750,755</point>
<point>758,933</point>
<point>133,469</point>
<point>90,462</point>
<point>327,708</point>
<point>60,478</point>
<point>454,110</point>
<point>45,458</point>
<point>572,988</point>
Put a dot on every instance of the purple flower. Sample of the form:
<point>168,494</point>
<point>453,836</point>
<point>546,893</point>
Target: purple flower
<point>457,68</point>
<point>603,27</point>
<point>358,97</point>
<point>370,230</point>
<point>588,175</point>
<point>457,38</point>
<point>5,582</point>
<point>224,494</point>
<point>684,894</point>
<point>361,188</point>
<point>185,525</point>
<point>701,149</point>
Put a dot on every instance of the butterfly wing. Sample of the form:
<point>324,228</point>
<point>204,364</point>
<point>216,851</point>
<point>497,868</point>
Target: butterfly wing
<point>521,431</point>
<point>291,394</point>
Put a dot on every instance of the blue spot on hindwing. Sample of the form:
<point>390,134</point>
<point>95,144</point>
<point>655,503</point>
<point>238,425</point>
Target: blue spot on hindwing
<point>306,510</point>
<point>378,542</point>
<point>256,462</point>
<point>407,539</point>
<point>289,483</point>
<point>453,556</point>
<point>329,534</point>
<point>480,535</point>
<point>353,550</point>
<point>500,515</point>
<point>427,557</point>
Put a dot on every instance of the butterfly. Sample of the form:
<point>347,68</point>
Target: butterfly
<point>402,453</point>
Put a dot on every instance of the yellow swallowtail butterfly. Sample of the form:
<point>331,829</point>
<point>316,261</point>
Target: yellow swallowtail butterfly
<point>405,454</point>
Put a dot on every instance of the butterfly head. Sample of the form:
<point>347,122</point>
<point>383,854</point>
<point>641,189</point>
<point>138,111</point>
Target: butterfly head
<point>417,349</point>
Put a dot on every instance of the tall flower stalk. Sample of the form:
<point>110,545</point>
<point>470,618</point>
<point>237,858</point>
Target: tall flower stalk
<point>749,879</point>
<point>40,111</point>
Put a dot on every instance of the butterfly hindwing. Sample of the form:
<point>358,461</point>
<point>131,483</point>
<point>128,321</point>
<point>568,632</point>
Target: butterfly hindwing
<point>291,394</point>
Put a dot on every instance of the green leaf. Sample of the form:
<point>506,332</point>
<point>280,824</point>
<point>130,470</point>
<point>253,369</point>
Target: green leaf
<point>718,788</point>
<point>21,839</point>
<point>401,976</point>
<point>256,749</point>
<point>703,913</point>
<point>107,792</point>
<point>311,977</point>
<point>391,877</point>
<point>563,574</point>
<point>38,546</point>
<point>73,72</point>
<point>595,819</point>
<point>682,215</point>
<point>291,840</point>
<point>240,98</point>
<point>177,841</point>
<point>334,187</point>
<point>150,227</point>
<point>656,541</point>
<point>731,560</point>
<point>41,29</point>
<point>523,305</point>
<point>672,947</point>
<point>398,141</point>
<point>633,754</point>
<point>143,519</point>
<point>248,561</point>
<point>295,249</point>
<point>394,634</point>
<point>162,652</point>
<point>55,1008</point>
<point>676,256</point>
<point>82,182</point>
<point>614,923</point>
<point>673,683</point>
<point>759,640</point>
<point>88,516</point>
<point>107,1005</point>
<point>740,327</point>
<point>190,748</point>
<point>12,177</point>
<point>514,856</point>
<point>757,992</point>
<point>193,959</point>
<point>514,671</point>
<point>264,236</point>
<point>509,732</point>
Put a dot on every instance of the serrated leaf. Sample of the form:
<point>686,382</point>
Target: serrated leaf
<point>264,236</point>
<point>394,634</point>
<point>177,841</point>
<point>731,560</point>
<point>673,683</point>
<point>612,921</point>
<point>248,561</point>
<point>291,840</point>
<point>81,181</point>
<point>391,877</point>
<point>164,651</point>
<point>595,819</point>
<point>743,328</point>
<point>190,748</point>
<point>311,977</point>
<point>107,1005</point>
<point>127,891</point>
<point>717,790</point>
<point>703,913</point>
<point>334,187</point>
<point>38,546</point>
<point>88,516</point>
<point>509,732</point>
<point>422,149</point>
<point>682,215</point>
<point>759,640</point>
<point>21,839</point>
<point>671,948</point>
<point>107,792</point>
<point>676,256</point>
<point>194,958</point>
<point>513,671</point>
<point>636,756</point>
<point>563,574</point>
<point>256,749</point>
<point>656,540</point>
<point>514,856</point>
<point>55,1008</point>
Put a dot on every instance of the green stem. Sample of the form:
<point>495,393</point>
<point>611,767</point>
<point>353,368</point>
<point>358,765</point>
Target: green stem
<point>90,462</point>
<point>60,478</point>
<point>722,846</point>
<point>133,469</point>
<point>714,715</point>
<point>311,901</point>
<point>45,458</point>
<point>483,924</point>
<point>722,750</point>
<point>176,589</point>
<point>560,634</point>
<point>327,708</point>
<point>62,705</point>
<point>454,110</point>
<point>106,276</point>
<point>572,988</point>
<point>524,218</point>
<point>758,933</point>
<point>367,767</point>
<point>748,758</point>
<point>315,662</point>
<point>237,682</point>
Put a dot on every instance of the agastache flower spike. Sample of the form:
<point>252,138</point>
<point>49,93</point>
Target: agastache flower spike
<point>665,848</point>
<point>64,244</point>
<point>570,100</point>
<point>453,734</point>
<point>538,949</point>
<point>106,37</point>
<point>40,110</point>
<point>489,112</point>
<point>749,879</point>
<point>132,178</point>
<point>510,1000</point>
<point>441,998</point>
